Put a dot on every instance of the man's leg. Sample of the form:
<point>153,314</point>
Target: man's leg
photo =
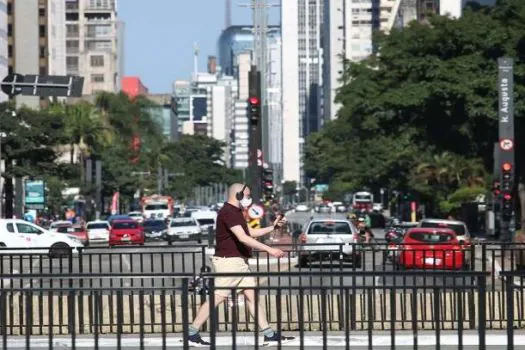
<point>204,313</point>
<point>264,327</point>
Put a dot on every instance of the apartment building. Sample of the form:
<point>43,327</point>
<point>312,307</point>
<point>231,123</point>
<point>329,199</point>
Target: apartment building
<point>36,40</point>
<point>302,61</point>
<point>92,43</point>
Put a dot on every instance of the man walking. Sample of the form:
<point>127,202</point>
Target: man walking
<point>234,244</point>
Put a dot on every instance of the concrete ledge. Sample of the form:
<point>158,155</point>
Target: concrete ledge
<point>55,310</point>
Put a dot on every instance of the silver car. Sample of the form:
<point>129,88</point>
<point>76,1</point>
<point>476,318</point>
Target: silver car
<point>184,229</point>
<point>327,239</point>
<point>459,227</point>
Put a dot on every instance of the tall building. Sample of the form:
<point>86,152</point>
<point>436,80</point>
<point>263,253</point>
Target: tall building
<point>164,114</point>
<point>35,40</point>
<point>92,43</point>
<point>302,59</point>
<point>239,133</point>
<point>3,46</point>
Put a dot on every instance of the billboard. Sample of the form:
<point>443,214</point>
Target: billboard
<point>35,194</point>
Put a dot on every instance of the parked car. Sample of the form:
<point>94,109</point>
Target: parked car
<point>16,233</point>
<point>123,232</point>
<point>154,229</point>
<point>76,232</point>
<point>185,228</point>
<point>431,248</point>
<point>302,208</point>
<point>459,227</point>
<point>56,224</point>
<point>325,239</point>
<point>98,231</point>
<point>136,215</point>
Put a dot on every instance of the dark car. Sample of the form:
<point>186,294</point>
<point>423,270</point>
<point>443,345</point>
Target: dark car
<point>154,229</point>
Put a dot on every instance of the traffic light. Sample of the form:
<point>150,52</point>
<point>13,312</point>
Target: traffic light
<point>506,187</point>
<point>496,189</point>
<point>254,109</point>
<point>267,184</point>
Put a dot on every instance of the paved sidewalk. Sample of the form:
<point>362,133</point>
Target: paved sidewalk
<point>312,340</point>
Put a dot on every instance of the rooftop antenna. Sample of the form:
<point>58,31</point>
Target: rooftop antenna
<point>228,14</point>
<point>195,60</point>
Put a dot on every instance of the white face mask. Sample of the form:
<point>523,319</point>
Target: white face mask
<point>245,202</point>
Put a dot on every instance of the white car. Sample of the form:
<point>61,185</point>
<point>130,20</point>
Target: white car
<point>301,208</point>
<point>459,227</point>
<point>205,219</point>
<point>184,229</point>
<point>377,207</point>
<point>62,223</point>
<point>98,231</point>
<point>329,239</point>
<point>16,233</point>
<point>136,215</point>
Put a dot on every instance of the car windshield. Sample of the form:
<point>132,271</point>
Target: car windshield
<point>206,221</point>
<point>99,226</point>
<point>425,237</point>
<point>156,207</point>
<point>324,228</point>
<point>124,225</point>
<point>362,197</point>
<point>182,223</point>
<point>154,224</point>
<point>64,229</point>
<point>135,214</point>
<point>459,229</point>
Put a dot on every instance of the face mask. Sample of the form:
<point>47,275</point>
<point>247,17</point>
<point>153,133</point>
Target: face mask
<point>246,202</point>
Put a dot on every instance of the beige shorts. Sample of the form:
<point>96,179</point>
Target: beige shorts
<point>232,265</point>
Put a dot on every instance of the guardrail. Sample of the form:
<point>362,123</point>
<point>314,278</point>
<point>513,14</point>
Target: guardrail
<point>65,315</point>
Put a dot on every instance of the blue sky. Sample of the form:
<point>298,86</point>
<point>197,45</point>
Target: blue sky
<point>160,35</point>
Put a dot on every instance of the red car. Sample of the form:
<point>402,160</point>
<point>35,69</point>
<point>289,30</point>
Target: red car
<point>125,232</point>
<point>431,248</point>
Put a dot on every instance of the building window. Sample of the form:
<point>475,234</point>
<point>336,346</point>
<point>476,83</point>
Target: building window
<point>9,29</point>
<point>42,52</point>
<point>42,31</point>
<point>9,8</point>
<point>10,70</point>
<point>97,78</point>
<point>10,50</point>
<point>42,12</point>
<point>97,61</point>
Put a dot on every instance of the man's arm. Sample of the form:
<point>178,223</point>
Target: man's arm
<point>238,231</point>
<point>259,232</point>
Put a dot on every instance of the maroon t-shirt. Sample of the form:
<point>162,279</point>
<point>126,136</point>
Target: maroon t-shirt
<point>226,243</point>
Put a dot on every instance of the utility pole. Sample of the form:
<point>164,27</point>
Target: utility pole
<point>2,135</point>
<point>141,175</point>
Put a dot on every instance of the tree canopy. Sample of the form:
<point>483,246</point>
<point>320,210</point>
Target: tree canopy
<point>35,145</point>
<point>422,113</point>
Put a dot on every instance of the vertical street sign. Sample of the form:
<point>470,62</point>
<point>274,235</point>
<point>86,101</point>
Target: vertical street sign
<point>506,141</point>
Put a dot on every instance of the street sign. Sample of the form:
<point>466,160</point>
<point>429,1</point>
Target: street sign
<point>43,85</point>
<point>256,212</point>
<point>506,144</point>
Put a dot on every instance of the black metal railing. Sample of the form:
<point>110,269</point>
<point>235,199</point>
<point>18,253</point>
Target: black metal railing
<point>22,270</point>
<point>159,316</point>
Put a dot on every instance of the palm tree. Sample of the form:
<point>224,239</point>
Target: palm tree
<point>84,129</point>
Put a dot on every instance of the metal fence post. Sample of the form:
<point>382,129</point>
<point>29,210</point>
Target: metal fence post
<point>482,311</point>
<point>509,280</point>
<point>185,311</point>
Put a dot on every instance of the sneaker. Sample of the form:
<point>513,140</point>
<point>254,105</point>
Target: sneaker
<point>276,338</point>
<point>196,341</point>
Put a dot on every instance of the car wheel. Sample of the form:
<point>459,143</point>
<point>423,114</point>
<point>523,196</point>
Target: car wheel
<point>356,261</point>
<point>170,242</point>
<point>60,250</point>
<point>303,261</point>
<point>199,241</point>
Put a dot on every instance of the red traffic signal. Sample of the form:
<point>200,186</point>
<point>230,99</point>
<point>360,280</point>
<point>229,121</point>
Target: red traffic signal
<point>254,100</point>
<point>507,196</point>
<point>507,166</point>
